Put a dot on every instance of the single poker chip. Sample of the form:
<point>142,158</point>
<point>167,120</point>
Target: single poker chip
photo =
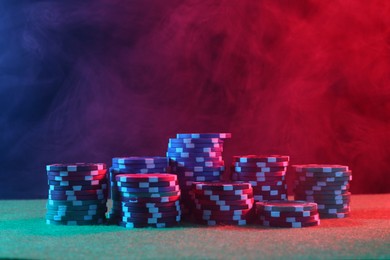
<point>200,169</point>
<point>139,160</point>
<point>150,189</point>
<point>280,188</point>
<point>187,155</point>
<point>288,224</point>
<point>143,205</point>
<point>77,174</point>
<point>75,223</point>
<point>149,195</point>
<point>77,187</point>
<point>196,164</point>
<point>324,179</point>
<point>195,145</point>
<point>325,202</point>
<point>77,183</point>
<point>267,183</point>
<point>267,178</point>
<point>143,220</point>
<point>220,192</point>
<point>321,192</point>
<point>195,141</point>
<point>278,214</point>
<point>259,169</point>
<point>269,193</point>
<point>223,197</point>
<point>145,177</point>
<point>336,215</point>
<point>76,167</point>
<point>145,184</point>
<point>301,219</point>
<point>114,171</point>
<point>199,174</point>
<point>320,168</point>
<point>71,178</point>
<point>75,218</point>
<point>221,222</point>
<point>258,176</point>
<point>126,224</point>
<point>333,206</point>
<point>224,202</point>
<point>346,196</point>
<point>222,217</point>
<point>76,208</point>
<point>77,198</point>
<point>195,150</point>
<point>204,135</point>
<point>78,193</point>
<point>321,183</point>
<point>75,203</point>
<point>145,215</point>
<point>334,210</point>
<point>221,186</point>
<point>223,207</point>
<point>151,210</point>
<point>261,158</point>
<point>286,205</point>
<point>150,200</point>
<point>260,197</point>
<point>325,174</point>
<point>195,159</point>
<point>142,168</point>
<point>217,212</point>
<point>321,188</point>
<point>260,164</point>
<point>74,215</point>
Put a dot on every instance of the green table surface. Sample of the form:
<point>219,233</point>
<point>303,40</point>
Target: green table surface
<point>366,234</point>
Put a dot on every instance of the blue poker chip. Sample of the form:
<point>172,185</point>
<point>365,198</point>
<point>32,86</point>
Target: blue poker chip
<point>144,184</point>
<point>140,166</point>
<point>135,171</point>
<point>204,135</point>
<point>150,190</point>
<point>191,155</point>
<point>195,141</point>
<point>195,145</point>
<point>77,174</point>
<point>193,159</point>
<point>76,167</point>
<point>198,169</point>
<point>77,183</point>
<point>127,224</point>
<point>77,187</point>
<point>75,222</point>
<point>198,174</point>
<point>139,160</point>
<point>195,150</point>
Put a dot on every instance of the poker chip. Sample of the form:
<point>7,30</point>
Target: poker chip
<point>265,173</point>
<point>326,185</point>
<point>139,160</point>
<point>287,214</point>
<point>77,194</point>
<point>214,222</point>
<point>196,157</point>
<point>149,206</point>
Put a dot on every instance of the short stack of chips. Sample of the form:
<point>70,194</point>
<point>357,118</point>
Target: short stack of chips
<point>149,200</point>
<point>266,174</point>
<point>327,185</point>
<point>222,203</point>
<point>132,165</point>
<point>290,214</point>
<point>196,157</point>
<point>77,194</point>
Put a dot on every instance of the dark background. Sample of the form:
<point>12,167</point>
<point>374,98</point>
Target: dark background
<point>84,81</point>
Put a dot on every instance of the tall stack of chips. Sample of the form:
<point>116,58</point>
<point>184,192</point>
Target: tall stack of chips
<point>226,203</point>
<point>266,174</point>
<point>77,194</point>
<point>327,185</point>
<point>284,213</point>
<point>131,165</point>
<point>196,157</point>
<point>149,200</point>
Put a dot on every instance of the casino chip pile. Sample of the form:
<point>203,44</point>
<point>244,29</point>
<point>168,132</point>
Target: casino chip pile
<point>222,203</point>
<point>131,165</point>
<point>149,200</point>
<point>196,157</point>
<point>289,214</point>
<point>327,185</point>
<point>266,174</point>
<point>77,194</point>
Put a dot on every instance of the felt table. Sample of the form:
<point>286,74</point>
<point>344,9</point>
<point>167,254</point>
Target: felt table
<point>366,234</point>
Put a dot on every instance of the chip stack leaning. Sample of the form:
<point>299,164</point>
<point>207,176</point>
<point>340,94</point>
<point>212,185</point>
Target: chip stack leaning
<point>288,214</point>
<point>222,203</point>
<point>327,185</point>
<point>77,194</point>
<point>149,200</point>
<point>196,157</point>
<point>266,174</point>
<point>124,165</point>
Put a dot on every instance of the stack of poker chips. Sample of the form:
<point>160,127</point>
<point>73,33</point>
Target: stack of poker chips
<point>327,185</point>
<point>284,213</point>
<point>196,157</point>
<point>222,203</point>
<point>77,194</point>
<point>149,200</point>
<point>266,174</point>
<point>131,165</point>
